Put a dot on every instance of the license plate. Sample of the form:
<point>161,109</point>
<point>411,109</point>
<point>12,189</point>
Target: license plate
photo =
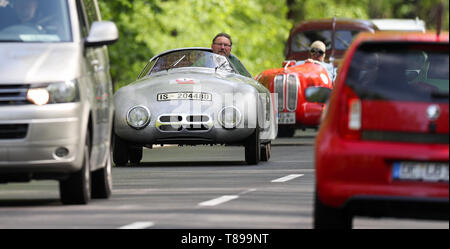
<point>184,96</point>
<point>420,171</point>
<point>286,118</point>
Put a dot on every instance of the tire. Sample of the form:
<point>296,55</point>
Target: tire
<point>76,189</point>
<point>265,151</point>
<point>286,131</point>
<point>102,181</point>
<point>135,155</point>
<point>120,151</point>
<point>326,217</point>
<point>253,148</point>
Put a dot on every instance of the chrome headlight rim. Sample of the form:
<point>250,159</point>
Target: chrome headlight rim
<point>143,125</point>
<point>238,117</point>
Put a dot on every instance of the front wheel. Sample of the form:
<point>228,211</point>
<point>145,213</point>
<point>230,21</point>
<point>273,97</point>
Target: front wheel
<point>135,155</point>
<point>76,189</point>
<point>253,148</point>
<point>120,151</point>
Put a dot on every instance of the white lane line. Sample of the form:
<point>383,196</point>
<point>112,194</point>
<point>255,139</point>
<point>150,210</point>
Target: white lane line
<point>218,201</point>
<point>287,178</point>
<point>138,225</point>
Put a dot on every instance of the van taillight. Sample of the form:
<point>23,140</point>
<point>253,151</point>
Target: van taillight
<point>350,125</point>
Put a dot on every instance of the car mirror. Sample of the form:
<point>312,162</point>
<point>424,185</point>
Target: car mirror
<point>289,63</point>
<point>317,94</point>
<point>411,75</point>
<point>102,33</point>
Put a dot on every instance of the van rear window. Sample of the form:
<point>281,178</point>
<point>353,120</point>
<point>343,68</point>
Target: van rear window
<point>403,71</point>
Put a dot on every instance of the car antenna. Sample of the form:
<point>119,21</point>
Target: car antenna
<point>333,33</point>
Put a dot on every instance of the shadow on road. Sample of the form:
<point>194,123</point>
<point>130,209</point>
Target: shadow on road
<point>29,202</point>
<point>188,164</point>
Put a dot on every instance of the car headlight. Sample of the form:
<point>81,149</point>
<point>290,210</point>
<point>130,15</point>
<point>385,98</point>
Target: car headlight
<point>54,93</point>
<point>229,117</point>
<point>138,117</point>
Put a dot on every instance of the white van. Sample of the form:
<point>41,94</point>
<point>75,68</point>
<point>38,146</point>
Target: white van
<point>56,100</point>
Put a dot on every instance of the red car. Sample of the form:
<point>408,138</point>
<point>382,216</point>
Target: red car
<point>289,84</point>
<point>308,31</point>
<point>383,145</point>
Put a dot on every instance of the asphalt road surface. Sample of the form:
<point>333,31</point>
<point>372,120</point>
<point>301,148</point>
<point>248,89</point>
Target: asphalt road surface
<point>202,187</point>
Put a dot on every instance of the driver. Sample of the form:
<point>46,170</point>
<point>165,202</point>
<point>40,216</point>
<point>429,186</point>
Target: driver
<point>26,13</point>
<point>25,10</point>
<point>317,55</point>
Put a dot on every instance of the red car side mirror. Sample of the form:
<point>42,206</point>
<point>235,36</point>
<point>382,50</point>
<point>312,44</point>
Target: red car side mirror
<point>289,63</point>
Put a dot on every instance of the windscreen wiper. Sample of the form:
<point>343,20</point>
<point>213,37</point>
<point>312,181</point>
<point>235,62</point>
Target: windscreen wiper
<point>11,40</point>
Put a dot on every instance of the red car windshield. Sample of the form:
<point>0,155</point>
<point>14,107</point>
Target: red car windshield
<point>302,41</point>
<point>401,71</point>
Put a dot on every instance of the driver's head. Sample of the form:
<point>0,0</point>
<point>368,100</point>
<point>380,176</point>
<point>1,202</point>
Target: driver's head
<point>221,44</point>
<point>317,51</point>
<point>25,9</point>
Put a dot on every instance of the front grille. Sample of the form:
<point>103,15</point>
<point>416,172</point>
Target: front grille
<point>291,92</point>
<point>170,118</point>
<point>278,86</point>
<point>171,127</point>
<point>13,94</point>
<point>13,131</point>
<point>174,123</point>
<point>197,118</point>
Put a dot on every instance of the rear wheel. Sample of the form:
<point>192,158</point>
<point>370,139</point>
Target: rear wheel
<point>120,151</point>
<point>253,148</point>
<point>265,151</point>
<point>76,189</point>
<point>326,217</point>
<point>286,131</point>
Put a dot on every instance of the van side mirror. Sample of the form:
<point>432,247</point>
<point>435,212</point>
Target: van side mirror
<point>317,94</point>
<point>102,33</point>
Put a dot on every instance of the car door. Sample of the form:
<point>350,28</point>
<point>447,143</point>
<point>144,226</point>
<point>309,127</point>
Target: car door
<point>97,63</point>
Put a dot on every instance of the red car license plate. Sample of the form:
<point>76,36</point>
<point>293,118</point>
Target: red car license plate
<point>420,171</point>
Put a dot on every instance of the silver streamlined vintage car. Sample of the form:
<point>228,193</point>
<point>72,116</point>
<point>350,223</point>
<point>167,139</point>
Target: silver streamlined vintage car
<point>192,96</point>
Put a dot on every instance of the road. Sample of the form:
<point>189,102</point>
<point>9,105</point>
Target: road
<point>202,187</point>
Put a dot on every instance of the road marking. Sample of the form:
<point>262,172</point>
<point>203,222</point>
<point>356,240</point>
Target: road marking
<point>138,225</point>
<point>218,201</point>
<point>247,191</point>
<point>287,178</point>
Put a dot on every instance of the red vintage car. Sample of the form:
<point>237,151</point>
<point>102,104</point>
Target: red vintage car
<point>383,146</point>
<point>343,30</point>
<point>289,84</point>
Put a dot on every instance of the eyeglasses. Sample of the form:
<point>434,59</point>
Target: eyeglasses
<point>222,44</point>
<point>316,50</point>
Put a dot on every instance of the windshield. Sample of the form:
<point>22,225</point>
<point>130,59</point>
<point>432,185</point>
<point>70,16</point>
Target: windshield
<point>190,58</point>
<point>34,21</point>
<point>401,71</point>
<point>302,41</point>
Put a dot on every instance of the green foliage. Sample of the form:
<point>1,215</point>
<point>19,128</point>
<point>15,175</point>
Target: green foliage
<point>259,28</point>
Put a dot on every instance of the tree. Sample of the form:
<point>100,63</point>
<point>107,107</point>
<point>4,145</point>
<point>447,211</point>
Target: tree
<point>258,28</point>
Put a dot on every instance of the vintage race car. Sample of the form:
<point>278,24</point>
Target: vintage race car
<point>288,85</point>
<point>343,30</point>
<point>192,96</point>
